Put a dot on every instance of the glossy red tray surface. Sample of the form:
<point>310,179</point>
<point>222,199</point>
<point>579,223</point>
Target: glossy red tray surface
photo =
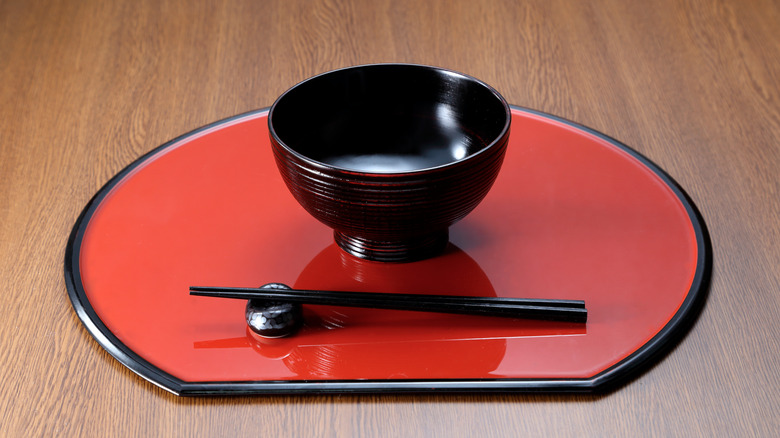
<point>573,215</point>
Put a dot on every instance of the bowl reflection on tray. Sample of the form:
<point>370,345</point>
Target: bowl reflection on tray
<point>394,344</point>
<point>390,155</point>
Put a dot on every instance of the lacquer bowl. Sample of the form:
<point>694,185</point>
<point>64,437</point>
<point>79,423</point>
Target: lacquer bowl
<point>390,155</point>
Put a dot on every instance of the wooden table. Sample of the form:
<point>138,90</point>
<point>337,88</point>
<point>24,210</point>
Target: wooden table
<point>88,86</point>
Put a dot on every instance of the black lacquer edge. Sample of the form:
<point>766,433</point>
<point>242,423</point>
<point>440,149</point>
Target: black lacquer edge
<point>616,375</point>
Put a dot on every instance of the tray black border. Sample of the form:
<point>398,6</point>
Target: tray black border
<point>608,379</point>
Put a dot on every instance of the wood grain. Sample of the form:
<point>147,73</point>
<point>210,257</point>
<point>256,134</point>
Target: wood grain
<point>88,86</point>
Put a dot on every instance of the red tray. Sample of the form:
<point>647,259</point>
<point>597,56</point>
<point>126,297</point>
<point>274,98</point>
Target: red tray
<point>573,215</point>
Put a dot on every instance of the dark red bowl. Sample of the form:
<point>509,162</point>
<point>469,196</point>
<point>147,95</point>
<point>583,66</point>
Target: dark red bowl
<point>390,155</point>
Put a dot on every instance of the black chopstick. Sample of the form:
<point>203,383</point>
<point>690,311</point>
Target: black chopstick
<point>545,309</point>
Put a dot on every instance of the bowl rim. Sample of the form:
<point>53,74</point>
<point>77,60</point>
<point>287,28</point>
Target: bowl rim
<point>500,138</point>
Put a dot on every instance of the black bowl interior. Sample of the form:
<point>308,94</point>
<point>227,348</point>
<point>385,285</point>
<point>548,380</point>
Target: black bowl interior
<point>389,118</point>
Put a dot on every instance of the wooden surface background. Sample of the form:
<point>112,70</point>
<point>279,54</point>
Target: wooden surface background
<point>87,86</point>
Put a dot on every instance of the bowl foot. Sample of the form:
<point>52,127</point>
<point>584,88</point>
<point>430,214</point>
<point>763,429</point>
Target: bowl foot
<point>397,251</point>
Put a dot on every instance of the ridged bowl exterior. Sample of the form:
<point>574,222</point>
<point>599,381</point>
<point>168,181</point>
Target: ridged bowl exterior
<point>391,207</point>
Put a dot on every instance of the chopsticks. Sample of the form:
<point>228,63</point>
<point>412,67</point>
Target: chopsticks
<point>542,309</point>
